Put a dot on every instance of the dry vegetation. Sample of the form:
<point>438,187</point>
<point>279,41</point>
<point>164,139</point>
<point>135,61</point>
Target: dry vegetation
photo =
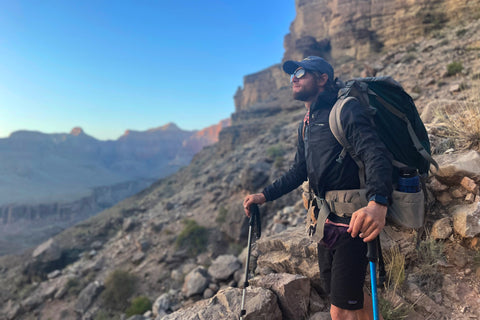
<point>460,119</point>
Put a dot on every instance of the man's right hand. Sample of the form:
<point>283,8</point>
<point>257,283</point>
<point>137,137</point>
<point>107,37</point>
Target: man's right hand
<point>257,198</point>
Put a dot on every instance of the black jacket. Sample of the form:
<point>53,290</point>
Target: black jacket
<point>318,151</point>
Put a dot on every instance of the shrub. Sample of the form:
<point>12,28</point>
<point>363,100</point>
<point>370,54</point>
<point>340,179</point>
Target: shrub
<point>460,120</point>
<point>395,268</point>
<point>139,305</point>
<point>461,32</point>
<point>391,312</point>
<point>428,277</point>
<point>119,286</point>
<point>193,237</point>
<point>278,163</point>
<point>454,68</point>
<point>222,215</point>
<point>275,151</point>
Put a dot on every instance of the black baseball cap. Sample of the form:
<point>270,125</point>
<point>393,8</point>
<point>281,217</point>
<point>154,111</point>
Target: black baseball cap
<point>311,63</point>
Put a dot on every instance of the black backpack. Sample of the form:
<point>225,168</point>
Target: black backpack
<point>396,119</point>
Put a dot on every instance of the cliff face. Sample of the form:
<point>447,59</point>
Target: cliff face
<point>357,28</point>
<point>343,30</point>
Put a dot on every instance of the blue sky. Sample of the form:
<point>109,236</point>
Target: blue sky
<point>109,66</point>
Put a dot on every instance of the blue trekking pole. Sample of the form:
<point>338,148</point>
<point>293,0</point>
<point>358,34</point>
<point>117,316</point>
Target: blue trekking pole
<point>372,256</point>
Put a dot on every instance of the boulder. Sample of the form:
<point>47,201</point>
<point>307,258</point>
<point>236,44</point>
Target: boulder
<point>260,303</point>
<point>290,251</point>
<point>87,296</point>
<point>466,220</point>
<point>163,303</point>
<point>293,292</point>
<point>196,282</point>
<point>224,267</point>
<point>469,184</point>
<point>454,167</point>
<point>441,229</point>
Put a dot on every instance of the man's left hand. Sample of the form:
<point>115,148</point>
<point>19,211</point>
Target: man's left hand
<point>368,221</point>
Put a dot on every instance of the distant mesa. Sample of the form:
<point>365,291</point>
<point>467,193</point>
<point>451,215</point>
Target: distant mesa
<point>77,131</point>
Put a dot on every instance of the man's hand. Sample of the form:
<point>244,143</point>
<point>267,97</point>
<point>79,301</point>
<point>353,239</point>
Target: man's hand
<point>257,198</point>
<point>368,221</point>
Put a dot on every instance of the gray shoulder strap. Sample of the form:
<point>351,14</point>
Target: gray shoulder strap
<point>339,134</point>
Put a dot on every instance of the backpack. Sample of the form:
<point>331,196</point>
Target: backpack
<point>401,130</point>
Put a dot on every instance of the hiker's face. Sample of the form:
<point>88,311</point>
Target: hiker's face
<point>306,87</point>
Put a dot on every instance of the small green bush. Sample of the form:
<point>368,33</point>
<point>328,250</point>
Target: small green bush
<point>278,163</point>
<point>139,305</point>
<point>454,68</point>
<point>461,32</point>
<point>275,151</point>
<point>193,237</point>
<point>222,215</point>
<point>119,286</point>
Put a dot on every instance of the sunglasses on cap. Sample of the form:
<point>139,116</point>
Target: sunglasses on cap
<point>299,73</point>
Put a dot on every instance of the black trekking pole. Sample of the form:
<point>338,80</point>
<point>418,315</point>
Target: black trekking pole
<point>372,256</point>
<point>253,223</point>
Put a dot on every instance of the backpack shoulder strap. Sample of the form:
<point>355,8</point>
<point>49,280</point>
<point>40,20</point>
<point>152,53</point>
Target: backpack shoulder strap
<point>339,134</point>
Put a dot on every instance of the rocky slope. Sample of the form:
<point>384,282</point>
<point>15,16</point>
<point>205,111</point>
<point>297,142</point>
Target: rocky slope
<point>180,239</point>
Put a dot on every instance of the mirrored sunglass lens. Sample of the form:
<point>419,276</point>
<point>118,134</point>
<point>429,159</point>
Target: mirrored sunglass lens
<point>299,73</point>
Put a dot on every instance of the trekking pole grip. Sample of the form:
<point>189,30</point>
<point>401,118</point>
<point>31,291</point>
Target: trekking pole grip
<point>372,250</point>
<point>255,221</point>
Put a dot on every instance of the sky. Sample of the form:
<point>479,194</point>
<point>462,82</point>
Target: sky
<point>111,66</point>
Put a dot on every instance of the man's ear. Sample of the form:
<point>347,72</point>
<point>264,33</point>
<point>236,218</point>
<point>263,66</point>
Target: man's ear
<point>322,80</point>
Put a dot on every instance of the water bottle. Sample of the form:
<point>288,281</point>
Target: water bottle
<point>408,180</point>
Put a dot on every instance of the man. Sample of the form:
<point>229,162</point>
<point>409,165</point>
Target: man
<point>342,249</point>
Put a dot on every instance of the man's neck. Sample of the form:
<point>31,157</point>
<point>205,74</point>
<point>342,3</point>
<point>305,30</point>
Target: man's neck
<point>311,102</point>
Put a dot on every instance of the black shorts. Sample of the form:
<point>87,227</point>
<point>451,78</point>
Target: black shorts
<point>342,269</point>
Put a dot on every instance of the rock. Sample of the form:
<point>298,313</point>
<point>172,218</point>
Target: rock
<point>129,224</point>
<point>453,168</point>
<point>143,244</point>
<point>278,227</point>
<point>320,316</point>
<point>87,296</point>
<point>444,198</point>
<point>224,267</point>
<point>138,257</point>
<point>47,251</point>
<point>162,304</point>
<point>290,251</point>
<point>458,193</point>
<point>54,274</point>
<point>11,310</point>
<point>208,293</point>
<point>226,304</point>
<point>441,229</point>
<point>466,220</point>
<point>470,197</point>
<point>293,292</point>
<point>195,282</point>
<point>469,184</point>
<point>436,185</point>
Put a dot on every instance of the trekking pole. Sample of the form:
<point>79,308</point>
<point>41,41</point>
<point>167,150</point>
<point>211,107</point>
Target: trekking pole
<point>254,222</point>
<point>372,256</point>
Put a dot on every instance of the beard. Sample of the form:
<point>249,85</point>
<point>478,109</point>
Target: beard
<point>305,94</point>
